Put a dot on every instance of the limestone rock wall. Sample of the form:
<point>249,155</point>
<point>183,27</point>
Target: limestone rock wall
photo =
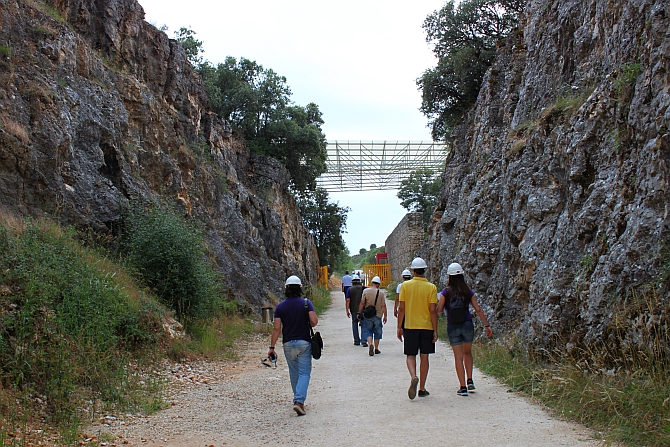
<point>556,196</point>
<point>98,108</point>
<point>404,243</point>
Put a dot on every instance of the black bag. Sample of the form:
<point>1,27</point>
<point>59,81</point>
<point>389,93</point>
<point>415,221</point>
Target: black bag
<point>457,311</point>
<point>315,337</point>
<point>371,311</point>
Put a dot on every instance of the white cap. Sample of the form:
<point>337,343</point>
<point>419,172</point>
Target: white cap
<point>406,272</point>
<point>293,280</point>
<point>454,269</point>
<point>418,263</point>
<point>377,280</point>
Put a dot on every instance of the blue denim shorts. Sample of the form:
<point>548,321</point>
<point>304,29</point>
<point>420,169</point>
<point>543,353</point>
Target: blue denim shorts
<point>461,333</point>
<point>372,327</point>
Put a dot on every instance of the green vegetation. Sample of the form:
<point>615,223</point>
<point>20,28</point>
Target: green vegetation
<point>256,101</point>
<point>168,254</point>
<point>566,104</point>
<point>5,52</point>
<point>70,320</point>
<point>626,79</point>
<point>51,11</point>
<point>79,332</point>
<point>464,38</point>
<point>326,221</point>
<point>618,388</point>
<point>419,192</point>
<point>320,298</point>
<point>192,46</point>
<point>366,256</point>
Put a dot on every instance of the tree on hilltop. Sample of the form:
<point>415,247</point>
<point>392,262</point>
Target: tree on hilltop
<point>256,101</point>
<point>464,38</point>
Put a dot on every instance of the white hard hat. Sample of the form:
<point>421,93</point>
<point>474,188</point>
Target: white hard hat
<point>454,269</point>
<point>377,280</point>
<point>406,272</point>
<point>293,280</point>
<point>356,278</point>
<point>418,263</point>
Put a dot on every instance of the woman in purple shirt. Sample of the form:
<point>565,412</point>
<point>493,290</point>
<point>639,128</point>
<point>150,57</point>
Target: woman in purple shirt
<point>460,329</point>
<point>292,318</point>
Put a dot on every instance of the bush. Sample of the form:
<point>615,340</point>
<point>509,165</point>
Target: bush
<point>67,322</point>
<point>168,254</point>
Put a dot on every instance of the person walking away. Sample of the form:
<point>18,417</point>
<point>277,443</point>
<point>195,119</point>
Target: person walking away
<point>418,310</point>
<point>293,318</point>
<point>455,301</point>
<point>372,327</point>
<point>353,300</point>
<point>346,282</point>
<point>406,276</point>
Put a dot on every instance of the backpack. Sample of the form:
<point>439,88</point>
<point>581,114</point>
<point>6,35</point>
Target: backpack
<point>457,310</point>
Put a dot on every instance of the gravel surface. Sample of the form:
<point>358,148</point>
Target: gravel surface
<point>353,400</point>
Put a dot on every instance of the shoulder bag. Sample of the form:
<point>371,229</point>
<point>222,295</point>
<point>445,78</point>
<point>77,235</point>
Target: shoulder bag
<point>315,337</point>
<point>371,311</point>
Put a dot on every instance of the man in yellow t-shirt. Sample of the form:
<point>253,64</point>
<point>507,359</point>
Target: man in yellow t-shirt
<point>418,308</point>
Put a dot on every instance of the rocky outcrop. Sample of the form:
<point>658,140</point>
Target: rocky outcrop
<point>556,196</point>
<point>99,108</point>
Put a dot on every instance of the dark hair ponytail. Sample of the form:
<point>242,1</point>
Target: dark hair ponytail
<point>458,288</point>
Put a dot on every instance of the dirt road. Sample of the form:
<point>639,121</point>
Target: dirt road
<point>353,400</point>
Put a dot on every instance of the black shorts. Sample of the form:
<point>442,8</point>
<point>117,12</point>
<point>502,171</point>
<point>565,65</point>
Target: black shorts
<point>419,340</point>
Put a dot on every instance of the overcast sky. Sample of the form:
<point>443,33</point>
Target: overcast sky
<point>358,60</point>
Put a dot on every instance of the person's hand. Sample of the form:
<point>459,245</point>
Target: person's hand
<point>489,331</point>
<point>270,352</point>
<point>348,314</point>
<point>395,312</point>
<point>400,333</point>
<point>434,336</point>
<point>384,321</point>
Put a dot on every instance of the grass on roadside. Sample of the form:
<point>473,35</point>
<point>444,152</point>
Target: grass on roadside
<point>320,298</point>
<point>215,337</point>
<point>620,390</point>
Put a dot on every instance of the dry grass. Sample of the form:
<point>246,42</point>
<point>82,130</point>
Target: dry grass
<point>16,129</point>
<point>618,385</point>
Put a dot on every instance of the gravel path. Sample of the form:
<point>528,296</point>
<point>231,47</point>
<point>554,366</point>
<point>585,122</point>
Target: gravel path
<point>353,400</point>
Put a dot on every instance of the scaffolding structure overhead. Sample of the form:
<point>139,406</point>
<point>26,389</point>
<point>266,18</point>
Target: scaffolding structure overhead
<point>375,165</point>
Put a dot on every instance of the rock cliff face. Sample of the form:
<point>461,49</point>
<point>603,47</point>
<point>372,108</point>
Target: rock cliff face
<point>99,108</point>
<point>556,196</point>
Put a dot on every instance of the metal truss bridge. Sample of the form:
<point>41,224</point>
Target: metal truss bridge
<point>376,165</point>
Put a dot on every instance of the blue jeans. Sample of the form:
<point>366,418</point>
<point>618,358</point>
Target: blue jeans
<point>372,327</point>
<point>355,328</point>
<point>298,355</point>
<point>461,333</point>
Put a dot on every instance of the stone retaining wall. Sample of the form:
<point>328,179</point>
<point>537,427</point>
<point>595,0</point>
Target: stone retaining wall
<point>403,243</point>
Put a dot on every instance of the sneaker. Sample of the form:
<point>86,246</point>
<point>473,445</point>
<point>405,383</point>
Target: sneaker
<point>423,393</point>
<point>463,391</point>
<point>356,344</point>
<point>411,392</point>
<point>364,344</point>
<point>371,350</point>
<point>377,351</point>
<point>299,408</point>
<point>471,385</point>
